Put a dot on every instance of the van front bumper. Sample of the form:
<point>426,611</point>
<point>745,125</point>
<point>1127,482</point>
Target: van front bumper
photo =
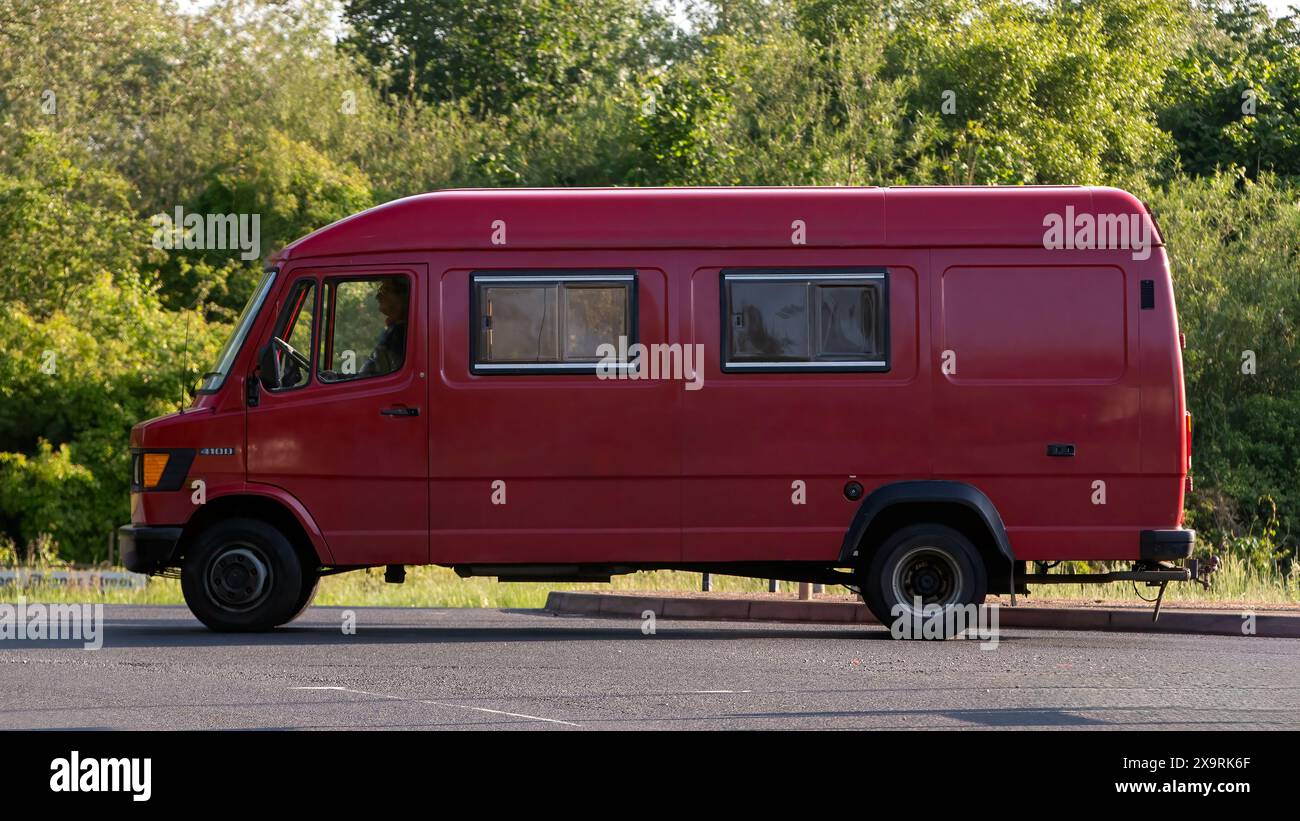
<point>147,549</point>
<point>1167,545</point>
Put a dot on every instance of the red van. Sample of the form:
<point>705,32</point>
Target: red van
<point>912,392</point>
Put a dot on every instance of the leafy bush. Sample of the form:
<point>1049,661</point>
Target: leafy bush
<point>82,378</point>
<point>1234,246</point>
<point>46,499</point>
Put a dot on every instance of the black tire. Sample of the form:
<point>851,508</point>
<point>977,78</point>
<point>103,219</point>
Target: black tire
<point>311,583</point>
<point>936,563</point>
<point>242,575</point>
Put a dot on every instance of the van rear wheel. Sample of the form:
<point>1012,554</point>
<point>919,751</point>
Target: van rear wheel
<point>242,575</point>
<point>931,563</point>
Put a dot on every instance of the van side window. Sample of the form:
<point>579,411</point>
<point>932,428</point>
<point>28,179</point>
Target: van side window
<point>793,320</point>
<point>534,321</point>
<point>295,329</point>
<point>364,327</point>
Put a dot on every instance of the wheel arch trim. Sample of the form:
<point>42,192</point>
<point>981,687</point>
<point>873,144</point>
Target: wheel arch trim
<point>924,491</point>
<point>290,504</point>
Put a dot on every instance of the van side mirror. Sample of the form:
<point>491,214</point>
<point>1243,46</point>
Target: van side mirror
<point>268,373</point>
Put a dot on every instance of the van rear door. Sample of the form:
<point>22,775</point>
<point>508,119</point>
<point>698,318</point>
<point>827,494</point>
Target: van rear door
<point>1037,394</point>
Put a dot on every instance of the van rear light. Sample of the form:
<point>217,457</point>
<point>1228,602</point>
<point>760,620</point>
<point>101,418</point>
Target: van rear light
<point>1188,414</point>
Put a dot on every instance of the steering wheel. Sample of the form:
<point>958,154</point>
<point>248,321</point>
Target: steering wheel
<point>284,347</point>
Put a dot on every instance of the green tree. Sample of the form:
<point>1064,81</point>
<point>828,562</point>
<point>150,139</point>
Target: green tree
<point>1234,98</point>
<point>291,187</point>
<point>63,221</point>
<point>1058,93</point>
<point>1234,245</point>
<point>72,383</point>
<point>495,54</point>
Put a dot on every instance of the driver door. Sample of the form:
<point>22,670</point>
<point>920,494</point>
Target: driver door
<point>347,439</point>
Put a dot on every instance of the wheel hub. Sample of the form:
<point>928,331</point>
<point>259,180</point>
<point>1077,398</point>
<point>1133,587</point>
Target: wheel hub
<point>928,574</point>
<point>239,578</point>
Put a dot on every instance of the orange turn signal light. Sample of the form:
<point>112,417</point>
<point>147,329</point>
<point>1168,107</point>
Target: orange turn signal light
<point>154,465</point>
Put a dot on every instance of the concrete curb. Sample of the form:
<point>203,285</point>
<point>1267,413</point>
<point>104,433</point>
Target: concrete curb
<point>1200,622</point>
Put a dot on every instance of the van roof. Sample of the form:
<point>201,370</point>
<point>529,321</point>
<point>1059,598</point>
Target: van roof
<point>698,217</point>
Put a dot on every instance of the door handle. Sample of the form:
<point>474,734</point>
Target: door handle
<point>400,411</point>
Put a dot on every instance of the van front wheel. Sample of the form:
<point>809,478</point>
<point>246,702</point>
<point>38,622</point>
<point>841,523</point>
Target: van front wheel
<point>242,575</point>
<point>310,585</point>
<point>932,564</point>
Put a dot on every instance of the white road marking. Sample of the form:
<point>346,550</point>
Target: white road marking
<point>715,692</point>
<point>504,713</point>
<point>442,704</point>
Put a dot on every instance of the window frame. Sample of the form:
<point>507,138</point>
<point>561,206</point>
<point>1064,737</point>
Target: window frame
<point>239,335</point>
<point>310,284</point>
<point>331,305</point>
<point>803,275</point>
<point>548,276</point>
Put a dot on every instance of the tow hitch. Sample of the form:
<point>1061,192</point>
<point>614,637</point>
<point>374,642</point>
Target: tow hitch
<point>1201,573</point>
<point>1150,573</point>
<point>1194,573</point>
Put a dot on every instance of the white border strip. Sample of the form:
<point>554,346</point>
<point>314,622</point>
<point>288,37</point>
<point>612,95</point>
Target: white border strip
<point>549,366</point>
<point>499,280</point>
<point>878,363</point>
<point>801,277</point>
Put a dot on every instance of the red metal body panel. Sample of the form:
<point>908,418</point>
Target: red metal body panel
<point>205,426</point>
<point>364,476</point>
<point>587,463</point>
<point>1050,346</point>
<point>747,437</point>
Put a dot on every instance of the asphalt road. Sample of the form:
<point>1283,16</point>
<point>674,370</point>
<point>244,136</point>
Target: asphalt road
<point>493,669</point>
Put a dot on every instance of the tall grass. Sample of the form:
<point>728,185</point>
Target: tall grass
<point>1235,581</point>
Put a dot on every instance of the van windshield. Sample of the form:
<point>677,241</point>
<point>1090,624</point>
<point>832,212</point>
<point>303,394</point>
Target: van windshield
<point>213,379</point>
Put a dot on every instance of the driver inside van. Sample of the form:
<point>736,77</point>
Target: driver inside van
<point>393,298</point>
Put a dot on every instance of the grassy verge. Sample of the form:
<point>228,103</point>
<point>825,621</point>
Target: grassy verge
<point>440,587</point>
<point>1234,583</point>
<point>424,587</point>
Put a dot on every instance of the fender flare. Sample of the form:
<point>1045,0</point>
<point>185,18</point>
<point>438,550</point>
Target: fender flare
<point>928,490</point>
<point>290,503</point>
